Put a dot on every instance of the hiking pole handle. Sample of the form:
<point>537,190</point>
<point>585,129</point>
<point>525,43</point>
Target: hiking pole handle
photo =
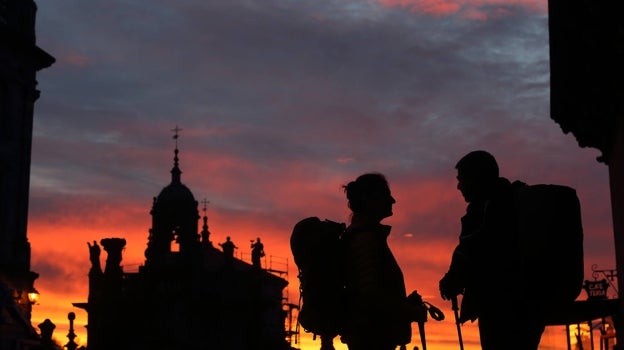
<point>455,307</point>
<point>435,313</point>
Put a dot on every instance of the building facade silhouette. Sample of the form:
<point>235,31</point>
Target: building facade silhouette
<point>192,297</point>
<point>20,60</point>
<point>586,43</point>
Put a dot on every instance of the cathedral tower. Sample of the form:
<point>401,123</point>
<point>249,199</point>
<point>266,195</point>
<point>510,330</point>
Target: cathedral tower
<point>174,219</point>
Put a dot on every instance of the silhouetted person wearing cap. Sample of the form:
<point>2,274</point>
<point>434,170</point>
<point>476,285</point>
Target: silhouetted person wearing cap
<point>484,264</point>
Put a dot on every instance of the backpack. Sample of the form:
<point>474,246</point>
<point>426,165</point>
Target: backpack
<point>316,249</point>
<point>550,242</point>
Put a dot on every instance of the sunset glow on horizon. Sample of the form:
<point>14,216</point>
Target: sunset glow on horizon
<point>280,103</point>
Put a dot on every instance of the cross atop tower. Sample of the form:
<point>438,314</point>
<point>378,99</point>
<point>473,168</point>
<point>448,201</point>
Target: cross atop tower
<point>205,203</point>
<point>205,234</point>
<point>175,172</point>
<point>176,135</point>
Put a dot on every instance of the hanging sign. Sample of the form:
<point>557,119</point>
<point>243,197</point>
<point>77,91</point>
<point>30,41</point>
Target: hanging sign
<point>596,289</point>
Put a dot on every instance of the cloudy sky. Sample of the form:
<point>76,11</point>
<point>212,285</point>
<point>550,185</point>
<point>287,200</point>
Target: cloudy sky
<point>280,103</point>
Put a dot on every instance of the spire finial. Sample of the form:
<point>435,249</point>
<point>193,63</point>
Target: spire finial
<point>175,172</point>
<point>176,135</point>
<point>205,234</point>
<point>205,203</point>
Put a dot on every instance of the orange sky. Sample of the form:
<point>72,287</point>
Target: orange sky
<point>60,254</point>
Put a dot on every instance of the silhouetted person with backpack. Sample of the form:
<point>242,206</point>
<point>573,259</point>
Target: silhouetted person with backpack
<point>378,315</point>
<point>485,263</point>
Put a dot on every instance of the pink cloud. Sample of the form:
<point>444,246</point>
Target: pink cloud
<point>75,60</point>
<point>470,9</point>
<point>344,160</point>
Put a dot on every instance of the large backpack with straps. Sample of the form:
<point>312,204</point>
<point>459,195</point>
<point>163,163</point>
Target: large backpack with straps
<point>317,251</point>
<point>550,242</point>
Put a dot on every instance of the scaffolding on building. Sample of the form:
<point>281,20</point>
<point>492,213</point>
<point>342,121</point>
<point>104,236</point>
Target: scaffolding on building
<point>278,265</point>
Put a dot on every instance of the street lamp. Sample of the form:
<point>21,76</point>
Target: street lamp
<point>33,296</point>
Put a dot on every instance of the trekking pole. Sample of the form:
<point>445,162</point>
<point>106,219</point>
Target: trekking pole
<point>435,313</point>
<point>455,308</point>
<point>421,329</point>
<point>420,316</point>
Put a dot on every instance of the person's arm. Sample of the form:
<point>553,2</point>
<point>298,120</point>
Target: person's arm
<point>465,253</point>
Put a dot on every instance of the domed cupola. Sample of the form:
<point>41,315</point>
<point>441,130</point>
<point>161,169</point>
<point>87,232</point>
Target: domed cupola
<point>174,217</point>
<point>176,193</point>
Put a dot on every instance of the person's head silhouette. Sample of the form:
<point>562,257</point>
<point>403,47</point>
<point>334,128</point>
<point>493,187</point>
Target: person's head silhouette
<point>477,173</point>
<point>369,197</point>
